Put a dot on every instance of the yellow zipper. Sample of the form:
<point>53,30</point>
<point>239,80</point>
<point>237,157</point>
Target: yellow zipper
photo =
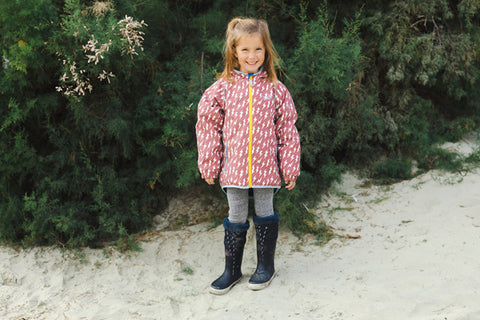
<point>250,132</point>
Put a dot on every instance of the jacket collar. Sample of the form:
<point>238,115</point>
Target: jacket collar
<point>252,78</point>
<point>238,74</point>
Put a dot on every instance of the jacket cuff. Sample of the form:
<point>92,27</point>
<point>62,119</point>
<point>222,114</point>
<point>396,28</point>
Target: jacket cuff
<point>209,175</point>
<point>289,178</point>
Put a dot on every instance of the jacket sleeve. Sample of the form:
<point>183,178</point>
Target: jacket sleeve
<point>210,117</point>
<point>288,140</point>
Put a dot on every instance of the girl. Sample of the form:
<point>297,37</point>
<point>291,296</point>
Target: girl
<point>246,135</point>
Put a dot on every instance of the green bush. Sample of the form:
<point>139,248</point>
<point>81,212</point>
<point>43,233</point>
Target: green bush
<point>68,125</point>
<point>321,72</point>
<point>392,170</point>
<point>97,127</point>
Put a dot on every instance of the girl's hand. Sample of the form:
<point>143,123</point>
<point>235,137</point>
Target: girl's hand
<point>210,181</point>
<point>290,185</point>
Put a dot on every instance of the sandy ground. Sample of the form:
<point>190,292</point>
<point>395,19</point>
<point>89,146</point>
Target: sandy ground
<point>417,257</point>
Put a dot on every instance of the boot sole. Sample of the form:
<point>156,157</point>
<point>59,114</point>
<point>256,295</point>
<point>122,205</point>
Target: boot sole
<point>260,286</point>
<point>220,292</point>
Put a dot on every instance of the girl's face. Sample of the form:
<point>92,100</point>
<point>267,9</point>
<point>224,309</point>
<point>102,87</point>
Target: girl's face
<point>250,53</point>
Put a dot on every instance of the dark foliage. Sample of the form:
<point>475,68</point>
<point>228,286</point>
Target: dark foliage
<point>97,127</point>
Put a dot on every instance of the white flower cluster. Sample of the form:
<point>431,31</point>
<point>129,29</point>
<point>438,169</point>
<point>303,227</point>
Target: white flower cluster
<point>74,81</point>
<point>106,76</point>
<point>5,62</point>
<point>78,85</point>
<point>91,47</point>
<point>132,36</point>
<point>100,8</point>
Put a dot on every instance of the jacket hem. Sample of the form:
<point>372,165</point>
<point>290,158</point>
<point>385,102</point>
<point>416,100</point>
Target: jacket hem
<point>275,188</point>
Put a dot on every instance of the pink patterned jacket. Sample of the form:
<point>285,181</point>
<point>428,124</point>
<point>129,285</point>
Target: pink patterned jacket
<point>246,133</point>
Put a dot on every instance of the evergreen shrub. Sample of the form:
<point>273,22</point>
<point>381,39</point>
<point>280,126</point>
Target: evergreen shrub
<point>98,102</point>
<point>391,170</point>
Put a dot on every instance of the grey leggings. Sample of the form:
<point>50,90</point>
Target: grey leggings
<point>238,203</point>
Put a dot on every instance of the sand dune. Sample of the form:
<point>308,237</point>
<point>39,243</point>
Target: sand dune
<point>416,255</point>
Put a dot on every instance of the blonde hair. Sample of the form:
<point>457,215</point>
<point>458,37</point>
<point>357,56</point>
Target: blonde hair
<point>239,27</point>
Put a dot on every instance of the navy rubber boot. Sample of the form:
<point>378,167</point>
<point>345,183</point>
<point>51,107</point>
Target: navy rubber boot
<point>266,230</point>
<point>234,241</point>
